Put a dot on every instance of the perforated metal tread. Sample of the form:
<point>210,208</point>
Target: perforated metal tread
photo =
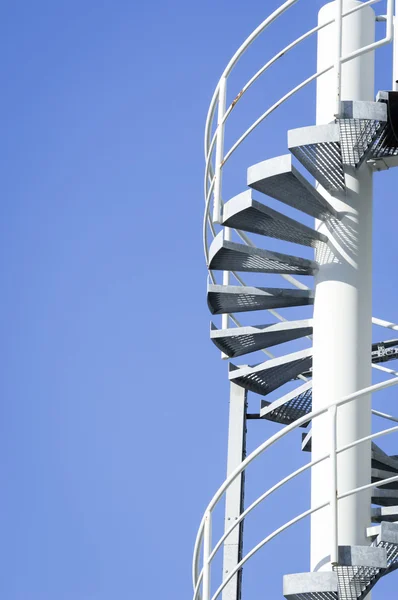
<point>360,124</point>
<point>319,151</point>
<point>238,341</point>
<point>271,374</point>
<point>385,536</point>
<point>358,569</point>
<point>356,581</point>
<point>223,299</point>
<point>245,213</point>
<point>290,407</point>
<point>299,403</point>
<point>278,178</point>
<point>230,256</point>
<point>321,585</point>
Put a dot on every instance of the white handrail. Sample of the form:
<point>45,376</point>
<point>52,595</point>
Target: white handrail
<point>261,498</point>
<point>263,542</point>
<point>213,186</point>
<point>239,53</point>
<point>272,440</point>
<point>309,465</point>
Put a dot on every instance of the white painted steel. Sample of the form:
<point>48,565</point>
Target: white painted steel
<point>265,541</point>
<point>222,101</point>
<point>233,542</point>
<point>286,525</point>
<point>377,413</point>
<point>367,487</point>
<point>385,324</point>
<point>267,444</point>
<point>342,333</point>
<point>395,51</point>
<point>206,584</point>
<point>350,404</point>
<point>261,498</point>
<point>338,53</point>
<point>334,547</point>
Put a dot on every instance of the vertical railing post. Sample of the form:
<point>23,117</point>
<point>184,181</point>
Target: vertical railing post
<point>222,99</point>
<point>226,277</point>
<point>334,550</point>
<point>395,49</point>
<point>206,584</point>
<point>339,47</point>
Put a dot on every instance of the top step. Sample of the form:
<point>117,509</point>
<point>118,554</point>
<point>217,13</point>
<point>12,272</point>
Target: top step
<point>278,178</point>
<point>326,150</point>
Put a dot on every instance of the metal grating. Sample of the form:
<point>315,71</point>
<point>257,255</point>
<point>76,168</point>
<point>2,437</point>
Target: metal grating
<point>392,553</point>
<point>272,374</point>
<point>353,581</point>
<point>230,256</point>
<point>356,138</point>
<point>386,145</point>
<point>291,411</point>
<point>278,178</point>
<point>324,162</point>
<point>247,214</point>
<point>223,299</point>
<point>315,596</point>
<point>238,341</point>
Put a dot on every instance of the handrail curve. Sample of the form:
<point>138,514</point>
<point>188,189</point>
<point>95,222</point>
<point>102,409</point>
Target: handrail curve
<point>210,178</point>
<point>214,153</point>
<point>272,440</point>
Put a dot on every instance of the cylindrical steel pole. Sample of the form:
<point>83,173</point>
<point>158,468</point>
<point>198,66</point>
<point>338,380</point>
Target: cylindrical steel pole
<point>343,303</point>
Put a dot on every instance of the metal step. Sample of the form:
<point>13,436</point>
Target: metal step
<point>271,374</point>
<point>223,299</point>
<point>381,461</point>
<point>360,124</point>
<point>319,151</point>
<point>238,341</point>
<point>278,178</point>
<point>385,513</point>
<point>290,407</point>
<point>245,213</point>
<point>384,153</point>
<point>384,497</point>
<point>385,536</point>
<point>321,585</point>
<point>358,569</point>
<point>296,406</point>
<point>230,256</point>
<point>379,475</point>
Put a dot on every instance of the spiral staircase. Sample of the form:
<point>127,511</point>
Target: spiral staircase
<point>363,135</point>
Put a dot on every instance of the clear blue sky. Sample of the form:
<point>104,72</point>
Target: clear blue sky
<point>113,400</point>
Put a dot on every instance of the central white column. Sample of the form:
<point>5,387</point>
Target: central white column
<point>343,303</point>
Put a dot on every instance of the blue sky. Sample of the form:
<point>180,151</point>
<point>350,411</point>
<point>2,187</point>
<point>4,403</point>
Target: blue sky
<point>114,402</point>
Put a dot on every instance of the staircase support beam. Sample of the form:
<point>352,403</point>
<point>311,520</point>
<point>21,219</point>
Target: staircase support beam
<point>234,496</point>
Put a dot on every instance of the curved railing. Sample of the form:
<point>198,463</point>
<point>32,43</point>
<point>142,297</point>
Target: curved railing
<point>203,540</point>
<point>215,144</point>
<point>215,160</point>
